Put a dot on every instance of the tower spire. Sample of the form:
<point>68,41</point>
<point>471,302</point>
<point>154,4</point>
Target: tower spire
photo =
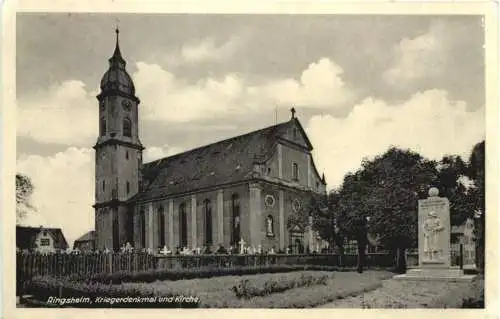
<point>117,59</point>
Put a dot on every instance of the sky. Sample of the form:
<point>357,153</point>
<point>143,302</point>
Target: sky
<point>359,83</point>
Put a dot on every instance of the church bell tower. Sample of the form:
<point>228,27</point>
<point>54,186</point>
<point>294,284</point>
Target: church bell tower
<point>118,155</point>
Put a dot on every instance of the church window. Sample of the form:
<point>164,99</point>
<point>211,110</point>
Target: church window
<point>296,206</point>
<point>208,221</point>
<point>130,228</point>
<point>294,133</point>
<point>235,223</point>
<point>182,225</point>
<point>269,200</point>
<point>142,216</point>
<point>103,186</point>
<point>103,126</point>
<point>161,226</point>
<point>295,172</point>
<point>127,127</point>
<point>128,187</point>
<point>126,154</point>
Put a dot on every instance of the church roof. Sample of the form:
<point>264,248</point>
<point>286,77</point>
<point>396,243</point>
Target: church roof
<point>224,162</point>
<point>89,236</point>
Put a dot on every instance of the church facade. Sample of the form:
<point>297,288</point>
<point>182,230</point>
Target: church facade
<point>242,188</point>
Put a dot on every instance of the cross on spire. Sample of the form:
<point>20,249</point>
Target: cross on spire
<point>293,112</point>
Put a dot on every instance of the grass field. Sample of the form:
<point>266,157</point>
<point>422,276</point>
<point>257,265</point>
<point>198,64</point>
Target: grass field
<point>218,293</point>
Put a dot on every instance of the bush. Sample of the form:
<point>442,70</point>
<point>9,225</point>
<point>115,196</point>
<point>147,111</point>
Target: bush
<point>182,274</point>
<point>246,289</point>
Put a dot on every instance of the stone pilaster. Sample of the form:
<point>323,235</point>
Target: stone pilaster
<point>311,234</point>
<point>170,223</point>
<point>150,229</point>
<point>281,220</point>
<point>280,161</point>
<point>193,221</point>
<point>309,160</point>
<point>220,216</point>
<point>256,223</point>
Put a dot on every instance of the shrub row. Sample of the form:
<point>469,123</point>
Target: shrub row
<point>343,286</point>
<point>246,289</point>
<point>193,273</point>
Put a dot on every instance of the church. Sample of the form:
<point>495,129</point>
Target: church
<point>239,189</point>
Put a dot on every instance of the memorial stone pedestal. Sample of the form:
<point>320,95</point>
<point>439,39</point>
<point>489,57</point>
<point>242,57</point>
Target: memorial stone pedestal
<point>434,243</point>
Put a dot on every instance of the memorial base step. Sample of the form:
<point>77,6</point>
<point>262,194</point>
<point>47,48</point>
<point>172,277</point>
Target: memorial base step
<point>436,274</point>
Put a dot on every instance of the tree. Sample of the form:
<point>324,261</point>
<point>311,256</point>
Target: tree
<point>476,168</point>
<point>450,170</point>
<point>24,191</point>
<point>387,190</point>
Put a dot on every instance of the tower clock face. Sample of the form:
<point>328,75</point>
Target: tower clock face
<point>127,105</point>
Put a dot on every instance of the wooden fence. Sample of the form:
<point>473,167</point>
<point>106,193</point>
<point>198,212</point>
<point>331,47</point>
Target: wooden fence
<point>30,265</point>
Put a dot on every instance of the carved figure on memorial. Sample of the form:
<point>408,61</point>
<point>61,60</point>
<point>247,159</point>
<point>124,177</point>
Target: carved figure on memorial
<point>432,228</point>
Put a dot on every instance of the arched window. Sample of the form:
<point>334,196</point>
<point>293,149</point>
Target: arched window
<point>127,127</point>
<point>269,226</point>
<point>103,186</point>
<point>235,222</point>
<point>207,206</point>
<point>182,226</point>
<point>103,126</point>
<point>116,234</point>
<point>161,226</point>
<point>128,187</point>
<point>126,154</point>
<point>130,228</point>
<point>295,172</point>
<point>142,216</point>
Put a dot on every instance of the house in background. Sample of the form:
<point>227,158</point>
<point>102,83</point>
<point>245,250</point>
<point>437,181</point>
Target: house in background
<point>85,242</point>
<point>464,235</point>
<point>40,239</point>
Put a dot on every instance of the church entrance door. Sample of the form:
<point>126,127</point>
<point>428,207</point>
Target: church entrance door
<point>297,241</point>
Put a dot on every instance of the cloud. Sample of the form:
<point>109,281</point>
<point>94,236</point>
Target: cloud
<point>320,86</point>
<point>428,122</point>
<point>64,190</point>
<point>205,50</point>
<point>208,50</point>
<point>64,114</point>
<point>417,58</point>
<point>65,187</point>
<point>155,152</point>
<point>170,99</point>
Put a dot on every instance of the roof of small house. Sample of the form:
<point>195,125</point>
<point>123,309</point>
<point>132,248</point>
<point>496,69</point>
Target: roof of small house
<point>220,163</point>
<point>26,236</point>
<point>88,236</point>
<point>457,229</point>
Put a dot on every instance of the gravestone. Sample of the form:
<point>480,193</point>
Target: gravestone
<point>434,242</point>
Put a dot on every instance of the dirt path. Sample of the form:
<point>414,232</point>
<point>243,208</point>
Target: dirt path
<point>399,294</point>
